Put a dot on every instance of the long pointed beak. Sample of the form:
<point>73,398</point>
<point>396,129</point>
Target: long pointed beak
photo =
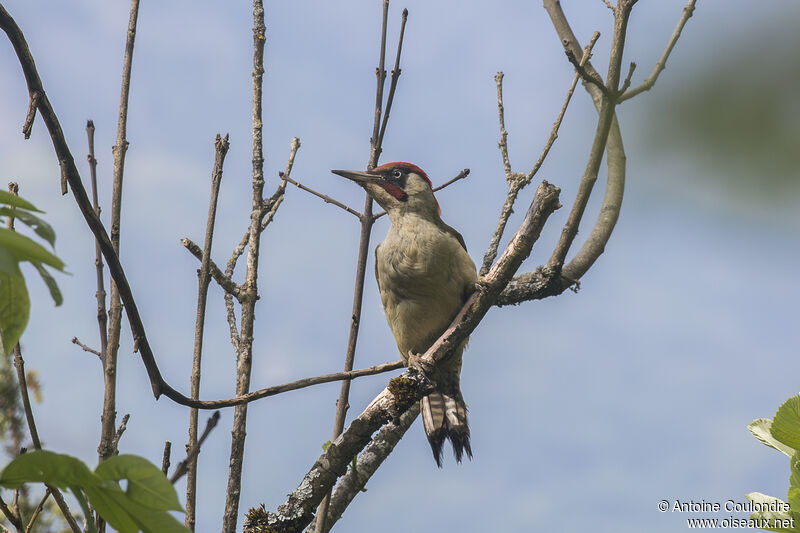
<point>358,176</point>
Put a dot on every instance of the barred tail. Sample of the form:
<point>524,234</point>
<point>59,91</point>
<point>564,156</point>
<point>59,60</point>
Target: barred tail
<point>445,417</point>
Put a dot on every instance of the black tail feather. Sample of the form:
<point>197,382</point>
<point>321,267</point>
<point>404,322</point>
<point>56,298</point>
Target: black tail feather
<point>445,418</point>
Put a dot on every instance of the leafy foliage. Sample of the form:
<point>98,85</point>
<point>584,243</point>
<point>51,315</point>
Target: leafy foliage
<point>142,506</point>
<point>14,249</point>
<point>783,434</point>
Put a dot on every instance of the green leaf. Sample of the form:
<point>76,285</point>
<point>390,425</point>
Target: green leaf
<point>786,424</point>
<point>145,518</point>
<point>15,308</point>
<point>26,249</point>
<point>147,484</point>
<point>760,428</point>
<point>779,520</point>
<point>9,264</point>
<point>103,498</point>
<point>47,467</point>
<point>42,228</point>
<point>50,281</point>
<point>12,199</point>
<point>794,477</point>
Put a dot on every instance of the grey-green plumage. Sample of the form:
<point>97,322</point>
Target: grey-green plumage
<point>424,276</point>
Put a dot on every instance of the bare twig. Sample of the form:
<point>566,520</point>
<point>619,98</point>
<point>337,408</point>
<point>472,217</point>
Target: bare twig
<point>120,430</point>
<point>503,142</point>
<point>395,75</point>
<point>19,363</point>
<point>108,418</point>
<point>11,516</point>
<point>297,512</point>
<point>460,176</point>
<point>244,355</point>
<point>193,451</point>
<point>86,348</point>
<point>648,83</point>
<point>517,181</point>
<point>367,221</point>
<point>380,74</point>
<point>627,82</point>
<point>29,118</point>
<point>203,281</point>
<point>222,280</point>
<point>37,510</point>
<point>586,75</point>
<point>165,457</point>
<point>327,199</point>
<point>604,122</point>
<point>100,294</point>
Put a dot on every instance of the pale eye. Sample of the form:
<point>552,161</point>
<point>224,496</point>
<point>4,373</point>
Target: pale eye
<point>396,173</point>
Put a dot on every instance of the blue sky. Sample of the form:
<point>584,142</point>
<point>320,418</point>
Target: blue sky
<point>586,409</point>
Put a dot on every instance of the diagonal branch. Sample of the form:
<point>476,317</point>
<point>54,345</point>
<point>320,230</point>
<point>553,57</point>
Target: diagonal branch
<point>297,512</point>
<point>517,181</point>
<point>327,199</point>
<point>648,83</point>
<point>194,450</point>
<point>219,276</point>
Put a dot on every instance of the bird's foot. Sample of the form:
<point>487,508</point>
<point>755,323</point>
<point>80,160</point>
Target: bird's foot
<point>481,284</point>
<point>416,363</point>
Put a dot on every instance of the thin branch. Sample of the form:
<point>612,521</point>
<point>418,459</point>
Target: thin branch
<point>503,142</point>
<point>606,117</point>
<point>533,284</point>
<point>587,76</point>
<point>627,82</point>
<point>517,181</point>
<point>120,430</point>
<point>244,355</point>
<point>86,348</point>
<point>29,118</point>
<point>352,484</point>
<point>380,74</point>
<point>11,516</point>
<point>460,176</point>
<point>108,418</point>
<point>327,199</point>
<point>272,204</point>
<point>37,510</point>
<point>203,281</point>
<point>158,384</point>
<point>648,83</point>
<point>367,221</point>
<point>395,77</point>
<point>587,53</point>
<point>100,294</point>
<point>219,276</point>
<point>165,457</point>
<point>193,451</point>
<point>19,363</point>
<point>297,512</point>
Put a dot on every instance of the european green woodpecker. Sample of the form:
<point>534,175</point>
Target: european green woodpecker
<point>424,276</point>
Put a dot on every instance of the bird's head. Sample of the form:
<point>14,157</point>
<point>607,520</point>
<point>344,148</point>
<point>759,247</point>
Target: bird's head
<point>398,187</point>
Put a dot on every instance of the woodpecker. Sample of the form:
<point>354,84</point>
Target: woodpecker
<point>424,277</point>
